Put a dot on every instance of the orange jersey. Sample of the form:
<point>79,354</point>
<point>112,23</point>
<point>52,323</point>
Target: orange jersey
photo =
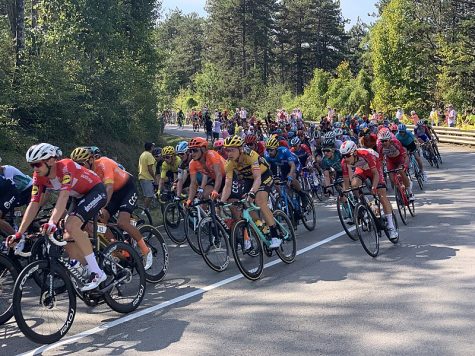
<point>212,158</point>
<point>110,172</point>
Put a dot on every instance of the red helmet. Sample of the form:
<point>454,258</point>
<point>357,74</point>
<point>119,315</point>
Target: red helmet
<point>300,133</point>
<point>198,142</point>
<point>250,139</point>
<point>393,127</point>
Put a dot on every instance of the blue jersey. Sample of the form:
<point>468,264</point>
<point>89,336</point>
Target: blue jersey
<point>406,139</point>
<point>282,159</point>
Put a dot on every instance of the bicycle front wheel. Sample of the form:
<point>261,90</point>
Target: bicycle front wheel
<point>154,240</point>
<point>309,215</point>
<point>44,313</point>
<point>367,230</point>
<point>142,216</point>
<point>125,277</point>
<point>288,248</point>
<point>345,214</point>
<point>213,244</point>
<point>8,276</point>
<point>191,229</point>
<point>173,222</point>
<point>401,207</point>
<point>249,256</point>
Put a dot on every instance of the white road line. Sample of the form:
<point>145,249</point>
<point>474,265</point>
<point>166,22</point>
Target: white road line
<point>166,304</point>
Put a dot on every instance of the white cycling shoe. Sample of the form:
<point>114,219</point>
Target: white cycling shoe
<point>275,243</point>
<point>94,281</point>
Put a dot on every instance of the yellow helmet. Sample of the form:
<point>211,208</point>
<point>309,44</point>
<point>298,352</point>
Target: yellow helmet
<point>81,154</point>
<point>168,151</point>
<point>233,141</point>
<point>272,143</point>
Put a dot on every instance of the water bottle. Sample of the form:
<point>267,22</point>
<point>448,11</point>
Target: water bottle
<point>374,209</point>
<point>262,226</point>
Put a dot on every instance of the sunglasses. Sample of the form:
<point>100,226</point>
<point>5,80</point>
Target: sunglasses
<point>167,157</point>
<point>383,141</point>
<point>326,150</point>
<point>271,149</point>
<point>348,155</point>
<point>230,149</point>
<point>36,164</point>
<point>194,150</point>
<point>181,154</point>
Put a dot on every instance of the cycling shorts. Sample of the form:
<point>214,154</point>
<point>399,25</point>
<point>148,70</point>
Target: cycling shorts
<point>241,187</point>
<point>424,137</point>
<point>90,204</point>
<point>412,147</point>
<point>395,163</point>
<point>125,199</point>
<point>367,174</point>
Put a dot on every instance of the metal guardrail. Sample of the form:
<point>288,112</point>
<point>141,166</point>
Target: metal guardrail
<point>454,135</point>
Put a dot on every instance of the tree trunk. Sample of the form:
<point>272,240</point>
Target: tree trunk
<point>20,30</point>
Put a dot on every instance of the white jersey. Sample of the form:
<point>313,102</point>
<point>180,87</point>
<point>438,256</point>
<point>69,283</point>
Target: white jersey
<point>21,181</point>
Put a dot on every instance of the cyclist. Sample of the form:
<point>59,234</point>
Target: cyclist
<point>390,148</point>
<point>408,141</point>
<point>15,191</point>
<point>289,164</point>
<point>210,164</point>
<point>367,165</point>
<point>255,145</point>
<point>218,147</point>
<point>169,172</point>
<point>331,162</point>
<point>253,179</point>
<point>72,180</point>
<point>421,132</point>
<point>368,139</point>
<point>302,151</point>
<point>183,177</point>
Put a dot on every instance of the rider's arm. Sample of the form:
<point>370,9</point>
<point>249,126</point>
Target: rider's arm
<point>375,179</point>
<point>292,168</point>
<point>109,191</point>
<point>60,206</point>
<point>29,215</point>
<point>256,175</point>
<point>219,177</point>
<point>227,189</point>
<point>193,185</point>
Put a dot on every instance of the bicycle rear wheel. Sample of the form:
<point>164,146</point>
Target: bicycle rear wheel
<point>401,207</point>
<point>142,216</point>
<point>173,222</point>
<point>367,230</point>
<point>8,276</point>
<point>288,248</point>
<point>345,211</point>
<point>213,244</point>
<point>154,240</point>
<point>43,315</point>
<point>125,284</point>
<point>309,215</point>
<point>191,229</point>
<point>249,261</point>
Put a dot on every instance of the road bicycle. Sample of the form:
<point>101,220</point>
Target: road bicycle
<point>428,153</point>
<point>173,220</point>
<point>414,172</point>
<point>193,215</point>
<point>402,196</point>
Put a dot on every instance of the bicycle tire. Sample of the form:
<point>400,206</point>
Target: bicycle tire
<point>241,256</point>
<point>173,221</point>
<point>395,240</point>
<point>401,207</point>
<point>214,249</point>
<point>309,225</point>
<point>142,216</point>
<point>31,331</point>
<point>351,234</point>
<point>417,173</point>
<point>155,241</point>
<point>288,237</point>
<point>411,207</point>
<point>191,233</point>
<point>364,221</point>
<point>8,276</point>
<point>120,261</point>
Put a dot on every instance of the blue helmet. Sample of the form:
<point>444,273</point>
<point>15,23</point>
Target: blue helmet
<point>181,147</point>
<point>401,127</point>
<point>290,134</point>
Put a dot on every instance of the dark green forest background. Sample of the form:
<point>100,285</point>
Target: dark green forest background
<point>100,72</point>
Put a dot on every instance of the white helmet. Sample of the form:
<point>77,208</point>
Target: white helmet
<point>348,147</point>
<point>329,135</point>
<point>42,151</point>
<point>384,134</point>
<point>338,131</point>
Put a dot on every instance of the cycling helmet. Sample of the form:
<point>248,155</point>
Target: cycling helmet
<point>198,142</point>
<point>250,139</point>
<point>272,143</point>
<point>393,127</point>
<point>233,141</point>
<point>96,151</point>
<point>337,125</point>
<point>348,147</point>
<point>338,131</point>
<point>330,134</point>
<point>42,151</point>
<point>402,128</point>
<point>181,147</point>
<point>328,143</point>
<point>295,141</point>
<point>81,154</point>
<point>168,150</point>
<point>363,125</point>
<point>157,151</point>
<point>218,143</point>
<point>420,123</point>
<point>290,134</point>
<point>384,135</point>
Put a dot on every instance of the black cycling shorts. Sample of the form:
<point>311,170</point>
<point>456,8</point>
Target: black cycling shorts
<point>412,147</point>
<point>241,187</point>
<point>89,205</point>
<point>125,199</point>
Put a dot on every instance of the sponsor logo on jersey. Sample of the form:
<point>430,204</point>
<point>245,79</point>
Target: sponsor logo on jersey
<point>66,179</point>
<point>34,190</point>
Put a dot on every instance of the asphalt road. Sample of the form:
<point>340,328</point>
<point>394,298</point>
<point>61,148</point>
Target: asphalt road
<point>416,297</point>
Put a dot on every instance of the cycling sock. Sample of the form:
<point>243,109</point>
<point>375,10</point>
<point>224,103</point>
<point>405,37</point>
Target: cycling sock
<point>92,265</point>
<point>143,247</point>
<point>390,221</point>
<point>273,231</point>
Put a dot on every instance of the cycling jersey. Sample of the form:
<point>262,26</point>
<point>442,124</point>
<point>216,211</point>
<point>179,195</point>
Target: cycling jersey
<point>20,180</point>
<point>173,167</point>
<point>8,195</point>
<point>110,173</point>
<point>392,151</point>
<point>406,139</point>
<point>367,159</point>
<point>248,162</point>
<point>211,158</point>
<point>70,176</point>
<point>302,153</point>
<point>422,132</point>
<point>282,159</point>
<point>334,162</point>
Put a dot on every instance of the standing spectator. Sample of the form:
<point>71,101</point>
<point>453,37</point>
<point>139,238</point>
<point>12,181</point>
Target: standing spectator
<point>414,117</point>
<point>434,116</point>
<point>180,118</point>
<point>147,167</point>
<point>243,116</point>
<point>216,129</point>
<point>452,116</point>
<point>208,127</point>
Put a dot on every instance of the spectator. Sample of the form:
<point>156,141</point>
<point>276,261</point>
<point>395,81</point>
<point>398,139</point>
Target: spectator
<point>414,117</point>
<point>451,116</point>
<point>208,127</point>
<point>434,116</point>
<point>216,129</point>
<point>147,167</point>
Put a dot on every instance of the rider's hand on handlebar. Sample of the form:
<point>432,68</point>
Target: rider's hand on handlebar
<point>374,190</point>
<point>11,240</point>
<point>214,195</point>
<point>48,228</point>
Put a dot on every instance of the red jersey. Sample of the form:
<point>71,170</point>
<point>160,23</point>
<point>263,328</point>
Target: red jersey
<point>393,151</point>
<point>70,176</point>
<point>261,148</point>
<point>368,159</point>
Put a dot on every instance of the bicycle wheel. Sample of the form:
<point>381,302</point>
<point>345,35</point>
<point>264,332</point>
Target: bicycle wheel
<point>345,211</point>
<point>154,240</point>
<point>42,314</point>
<point>8,275</point>
<point>367,230</point>
<point>213,243</point>
<point>251,261</point>
<point>395,240</point>
<point>125,277</point>
<point>417,173</point>
<point>411,207</point>
<point>191,229</point>
<point>142,216</point>
<point>309,215</point>
<point>173,222</point>
<point>288,248</point>
<point>401,207</point>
